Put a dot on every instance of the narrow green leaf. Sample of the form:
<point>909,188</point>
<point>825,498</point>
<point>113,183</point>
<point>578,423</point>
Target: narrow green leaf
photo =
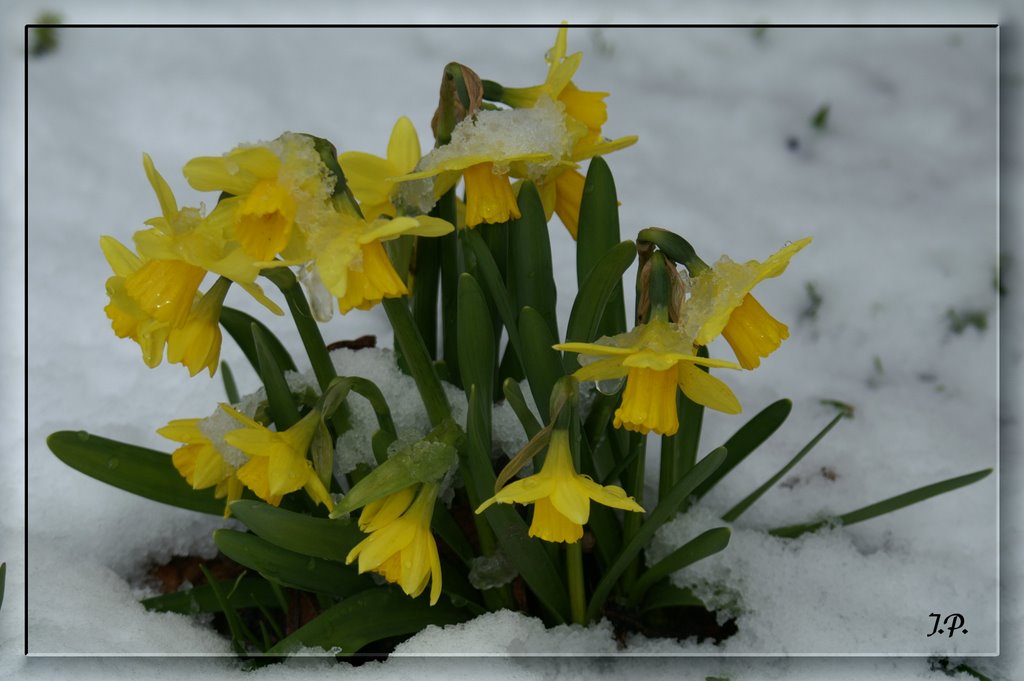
<point>477,347</point>
<point>593,297</point>
<point>368,616</point>
<point>450,533</point>
<point>736,511</point>
<point>515,399</point>
<point>599,219</point>
<point>664,594</point>
<point>239,632</point>
<point>238,324</point>
<point>425,289</point>
<point>886,506</point>
<point>697,549</point>
<point>230,387</point>
<point>298,532</point>
<point>141,471</point>
<point>544,367</point>
<point>288,568</point>
<point>279,396</point>
<point>487,268</point>
<point>529,259</point>
<point>408,338</point>
<point>247,593</point>
<point>745,440</point>
<point>451,267</point>
<point>665,509</point>
<point>3,582</point>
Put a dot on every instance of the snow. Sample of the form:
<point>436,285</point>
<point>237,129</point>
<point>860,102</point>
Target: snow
<point>899,193</point>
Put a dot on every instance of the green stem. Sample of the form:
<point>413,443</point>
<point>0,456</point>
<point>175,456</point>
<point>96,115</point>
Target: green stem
<point>309,332</point>
<point>574,568</point>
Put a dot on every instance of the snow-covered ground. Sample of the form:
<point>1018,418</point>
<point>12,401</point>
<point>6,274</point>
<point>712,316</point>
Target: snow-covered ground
<point>899,192</point>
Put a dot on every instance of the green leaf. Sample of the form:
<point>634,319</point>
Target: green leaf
<point>3,582</point>
<point>368,616</point>
<point>487,268</point>
<point>477,348</point>
<point>245,593</point>
<point>697,549</point>
<point>425,289</point>
<point>239,632</point>
<point>408,339</point>
<point>141,471</point>
<point>665,509</point>
<point>515,399</point>
<point>664,594</point>
<point>543,368</point>
<point>886,506</point>
<point>230,387</point>
<point>421,461</point>
<point>594,295</point>
<point>297,532</point>
<point>736,511</point>
<point>819,121</point>
<point>279,396</point>
<point>745,440</point>
<point>529,259</point>
<point>288,568</point>
<point>239,326</point>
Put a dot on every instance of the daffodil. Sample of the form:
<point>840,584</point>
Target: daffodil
<point>655,358</point>
<point>202,462</point>
<point>400,546</point>
<point>183,245</point>
<point>487,146</point>
<point>277,461</point>
<point>370,177</point>
<point>561,190</point>
<point>561,496</point>
<point>127,317</point>
<point>273,187</point>
<point>351,261</point>
<point>720,303</point>
<point>196,344</point>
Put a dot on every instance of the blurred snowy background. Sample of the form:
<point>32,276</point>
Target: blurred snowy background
<point>899,191</point>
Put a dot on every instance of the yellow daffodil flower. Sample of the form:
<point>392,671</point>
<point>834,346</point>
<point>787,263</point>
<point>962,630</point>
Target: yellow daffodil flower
<point>655,358</point>
<point>561,496</point>
<point>351,261</point>
<point>485,147</point>
<point>273,186</point>
<point>183,236</point>
<point>201,462</point>
<point>720,303</point>
<point>369,176</point>
<point>196,344</point>
<point>400,546</point>
<point>561,191</point>
<point>277,461</point>
<point>127,317</point>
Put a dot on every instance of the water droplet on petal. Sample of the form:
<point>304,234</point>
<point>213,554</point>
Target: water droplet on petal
<point>610,386</point>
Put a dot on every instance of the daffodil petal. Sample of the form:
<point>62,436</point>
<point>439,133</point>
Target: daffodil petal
<point>703,388</point>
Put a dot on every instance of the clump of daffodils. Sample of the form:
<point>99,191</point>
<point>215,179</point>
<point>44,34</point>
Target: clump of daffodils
<point>453,245</point>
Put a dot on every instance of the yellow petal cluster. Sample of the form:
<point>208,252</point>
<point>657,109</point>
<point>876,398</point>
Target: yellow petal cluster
<point>561,189</point>
<point>561,496</point>
<point>655,358</point>
<point>277,461</point>
<point>720,303</point>
<point>370,177</point>
<point>400,546</point>
<point>200,461</point>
